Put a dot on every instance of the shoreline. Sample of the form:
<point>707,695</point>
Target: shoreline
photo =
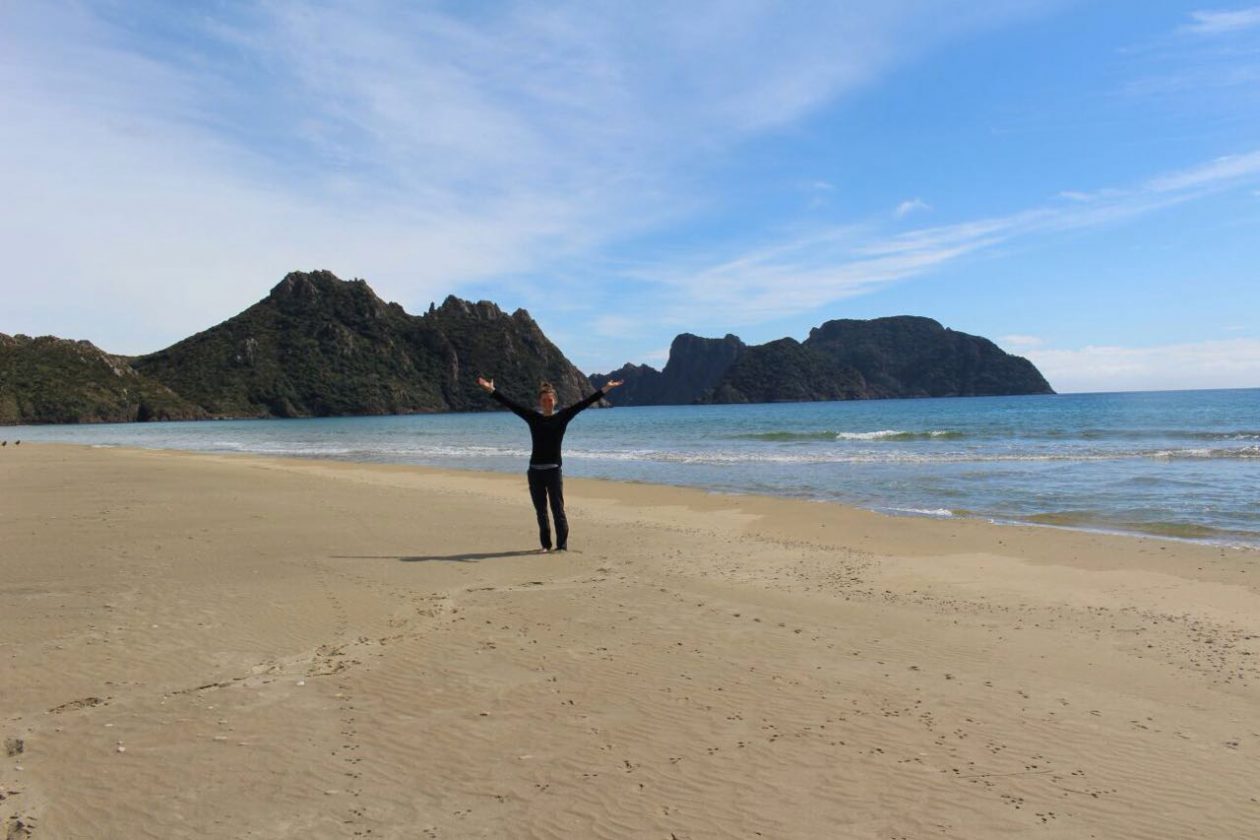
<point>1228,539</point>
<point>212,646</point>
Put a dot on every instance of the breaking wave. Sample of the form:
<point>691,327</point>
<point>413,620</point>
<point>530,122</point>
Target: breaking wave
<point>884,434</point>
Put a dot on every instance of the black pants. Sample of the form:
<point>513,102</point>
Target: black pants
<point>544,485</point>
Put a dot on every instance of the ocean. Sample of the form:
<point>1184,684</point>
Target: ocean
<point>1182,464</point>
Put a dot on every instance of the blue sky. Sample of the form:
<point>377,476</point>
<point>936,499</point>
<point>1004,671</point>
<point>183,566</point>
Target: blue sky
<point>1079,181</point>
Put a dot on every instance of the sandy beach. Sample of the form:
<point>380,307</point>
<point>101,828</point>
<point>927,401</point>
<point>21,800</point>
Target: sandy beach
<point>227,647</point>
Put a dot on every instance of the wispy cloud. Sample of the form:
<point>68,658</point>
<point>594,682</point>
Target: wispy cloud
<point>1086,197</point>
<point>1219,22</point>
<point>1222,170</point>
<point>1211,60</point>
<point>909,206</point>
<point>161,164</point>
<point>805,272</point>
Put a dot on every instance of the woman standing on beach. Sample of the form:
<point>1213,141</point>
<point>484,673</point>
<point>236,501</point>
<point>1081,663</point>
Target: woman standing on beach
<point>546,428</point>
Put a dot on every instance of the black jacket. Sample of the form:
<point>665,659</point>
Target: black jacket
<point>547,432</point>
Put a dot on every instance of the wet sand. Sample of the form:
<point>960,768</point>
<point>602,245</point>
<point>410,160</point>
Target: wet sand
<point>226,647</point>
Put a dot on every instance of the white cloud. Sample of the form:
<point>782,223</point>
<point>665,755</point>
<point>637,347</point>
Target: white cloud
<point>1021,343</point>
<point>1220,22</point>
<point>1081,197</point>
<point>1227,363</point>
<point>905,208</point>
<point>1220,170</point>
<point>162,167</point>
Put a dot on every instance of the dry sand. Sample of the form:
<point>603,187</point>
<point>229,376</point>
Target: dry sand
<point>223,647</point>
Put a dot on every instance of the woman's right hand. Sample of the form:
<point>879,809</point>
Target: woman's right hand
<point>488,384</point>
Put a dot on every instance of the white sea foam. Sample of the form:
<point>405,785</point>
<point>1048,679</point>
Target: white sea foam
<point>939,512</point>
<point>900,457</point>
<point>881,435</point>
<point>1243,452</point>
<point>896,434</point>
<point>886,433</point>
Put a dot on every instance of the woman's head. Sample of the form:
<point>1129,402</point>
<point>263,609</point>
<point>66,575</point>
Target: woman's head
<point>546,397</point>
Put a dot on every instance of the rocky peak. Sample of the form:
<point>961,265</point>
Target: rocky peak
<point>303,292</point>
<point>302,285</point>
<point>482,310</point>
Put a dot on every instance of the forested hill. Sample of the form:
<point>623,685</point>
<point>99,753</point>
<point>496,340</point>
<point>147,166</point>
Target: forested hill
<point>315,346</point>
<point>56,380</point>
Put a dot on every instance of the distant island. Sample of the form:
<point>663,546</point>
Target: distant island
<point>319,346</point>
<point>899,357</point>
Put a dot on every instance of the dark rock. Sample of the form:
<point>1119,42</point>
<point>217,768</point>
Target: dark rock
<point>641,385</point>
<point>909,356</point>
<point>695,366</point>
<point>786,371</point>
<point>903,356</point>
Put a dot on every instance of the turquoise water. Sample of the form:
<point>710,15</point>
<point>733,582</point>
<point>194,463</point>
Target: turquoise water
<point>1181,464</point>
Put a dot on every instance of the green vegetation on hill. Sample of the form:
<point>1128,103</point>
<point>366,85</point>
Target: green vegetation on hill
<point>55,380</point>
<point>320,346</point>
<point>315,346</point>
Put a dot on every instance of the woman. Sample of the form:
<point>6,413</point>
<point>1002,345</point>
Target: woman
<point>546,428</point>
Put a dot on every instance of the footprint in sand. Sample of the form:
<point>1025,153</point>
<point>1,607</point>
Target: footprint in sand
<point>82,703</point>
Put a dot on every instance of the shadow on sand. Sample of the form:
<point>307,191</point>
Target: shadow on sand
<point>447,558</point>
